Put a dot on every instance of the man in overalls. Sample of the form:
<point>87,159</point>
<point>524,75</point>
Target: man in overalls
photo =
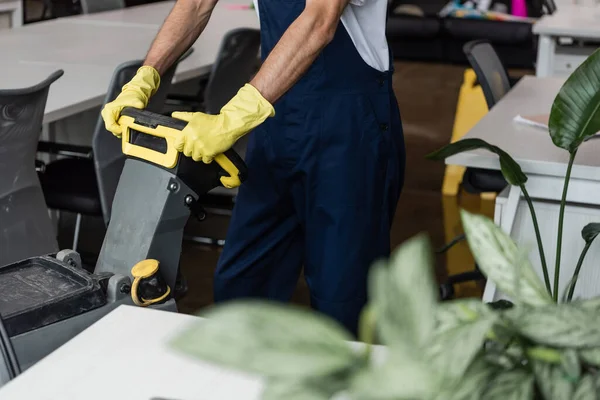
<point>326,156</point>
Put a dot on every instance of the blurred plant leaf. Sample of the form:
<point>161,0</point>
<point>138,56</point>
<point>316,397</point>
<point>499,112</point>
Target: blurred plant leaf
<point>497,256</point>
<point>473,384</point>
<point>590,356</point>
<point>570,364</point>
<point>270,339</point>
<point>586,389</point>
<point>567,325</point>
<point>511,170</point>
<point>590,231</point>
<point>310,389</point>
<point>575,113</point>
<point>404,295</point>
<point>551,381</point>
<point>511,385</point>
<point>462,326</point>
<point>404,375</point>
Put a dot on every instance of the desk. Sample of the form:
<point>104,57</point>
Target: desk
<point>89,47</point>
<point>125,356</point>
<point>575,22</point>
<point>545,165</point>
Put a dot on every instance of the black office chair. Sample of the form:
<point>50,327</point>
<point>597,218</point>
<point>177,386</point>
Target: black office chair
<point>85,179</point>
<point>95,6</point>
<point>236,64</point>
<point>495,83</point>
<point>25,227</point>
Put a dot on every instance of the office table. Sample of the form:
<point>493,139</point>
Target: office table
<point>575,23</point>
<point>545,165</point>
<point>88,50</point>
<point>125,356</point>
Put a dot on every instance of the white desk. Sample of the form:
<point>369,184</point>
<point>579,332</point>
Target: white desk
<point>89,47</point>
<point>575,22</point>
<point>545,166</point>
<point>125,356</point>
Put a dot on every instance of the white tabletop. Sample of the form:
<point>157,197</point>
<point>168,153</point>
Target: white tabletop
<point>531,147</point>
<point>125,356</point>
<point>571,21</point>
<point>89,47</point>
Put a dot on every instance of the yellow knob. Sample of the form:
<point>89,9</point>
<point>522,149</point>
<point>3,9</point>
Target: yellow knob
<point>145,269</point>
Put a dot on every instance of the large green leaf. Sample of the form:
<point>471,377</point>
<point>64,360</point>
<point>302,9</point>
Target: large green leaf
<point>570,364</point>
<point>567,325</point>
<point>310,389</point>
<point>511,385</point>
<point>462,327</point>
<point>586,389</point>
<point>502,262</point>
<point>590,231</point>
<point>552,382</point>
<point>404,376</point>
<point>575,113</point>
<point>472,385</point>
<point>404,295</point>
<point>270,339</point>
<point>511,170</point>
<point>590,356</point>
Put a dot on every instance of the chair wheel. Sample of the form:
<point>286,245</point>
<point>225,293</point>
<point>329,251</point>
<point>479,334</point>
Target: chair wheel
<point>446,291</point>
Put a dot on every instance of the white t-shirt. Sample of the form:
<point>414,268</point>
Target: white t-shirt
<point>365,22</point>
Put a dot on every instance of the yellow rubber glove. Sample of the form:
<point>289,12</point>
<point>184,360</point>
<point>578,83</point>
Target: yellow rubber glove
<point>207,136</point>
<point>136,93</point>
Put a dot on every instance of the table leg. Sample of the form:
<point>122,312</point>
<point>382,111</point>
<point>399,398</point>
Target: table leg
<point>545,56</point>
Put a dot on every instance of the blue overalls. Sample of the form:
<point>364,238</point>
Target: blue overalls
<point>324,178</point>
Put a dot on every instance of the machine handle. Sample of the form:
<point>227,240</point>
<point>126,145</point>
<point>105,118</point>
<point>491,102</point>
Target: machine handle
<point>168,128</point>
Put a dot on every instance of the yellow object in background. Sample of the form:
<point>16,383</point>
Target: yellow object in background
<point>470,109</point>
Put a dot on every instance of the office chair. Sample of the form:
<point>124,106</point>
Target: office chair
<point>85,179</point>
<point>236,63</point>
<point>25,227</point>
<point>495,83</point>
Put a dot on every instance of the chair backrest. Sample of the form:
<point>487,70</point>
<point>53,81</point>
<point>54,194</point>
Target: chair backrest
<point>9,365</point>
<point>236,63</point>
<point>25,226</point>
<point>108,157</point>
<point>94,6</point>
<point>490,71</point>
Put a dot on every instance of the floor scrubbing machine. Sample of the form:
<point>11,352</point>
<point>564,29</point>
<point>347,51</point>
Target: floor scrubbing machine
<point>45,301</point>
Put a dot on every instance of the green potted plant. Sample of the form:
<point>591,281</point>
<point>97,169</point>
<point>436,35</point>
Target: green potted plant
<point>546,345</point>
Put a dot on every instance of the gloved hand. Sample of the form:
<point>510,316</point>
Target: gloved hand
<point>207,136</point>
<point>136,93</point>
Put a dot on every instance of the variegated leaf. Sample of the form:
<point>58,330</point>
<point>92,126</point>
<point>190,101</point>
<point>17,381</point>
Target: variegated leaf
<point>563,325</point>
<point>511,385</point>
<point>500,260</point>
<point>552,382</point>
<point>270,339</point>
<point>590,356</point>
<point>586,389</point>
<point>462,327</point>
<point>473,384</point>
<point>403,376</point>
<point>311,389</point>
<point>404,295</point>
<point>570,364</point>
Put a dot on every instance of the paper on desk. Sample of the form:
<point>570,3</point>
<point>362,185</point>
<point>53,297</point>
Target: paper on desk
<point>541,121</point>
